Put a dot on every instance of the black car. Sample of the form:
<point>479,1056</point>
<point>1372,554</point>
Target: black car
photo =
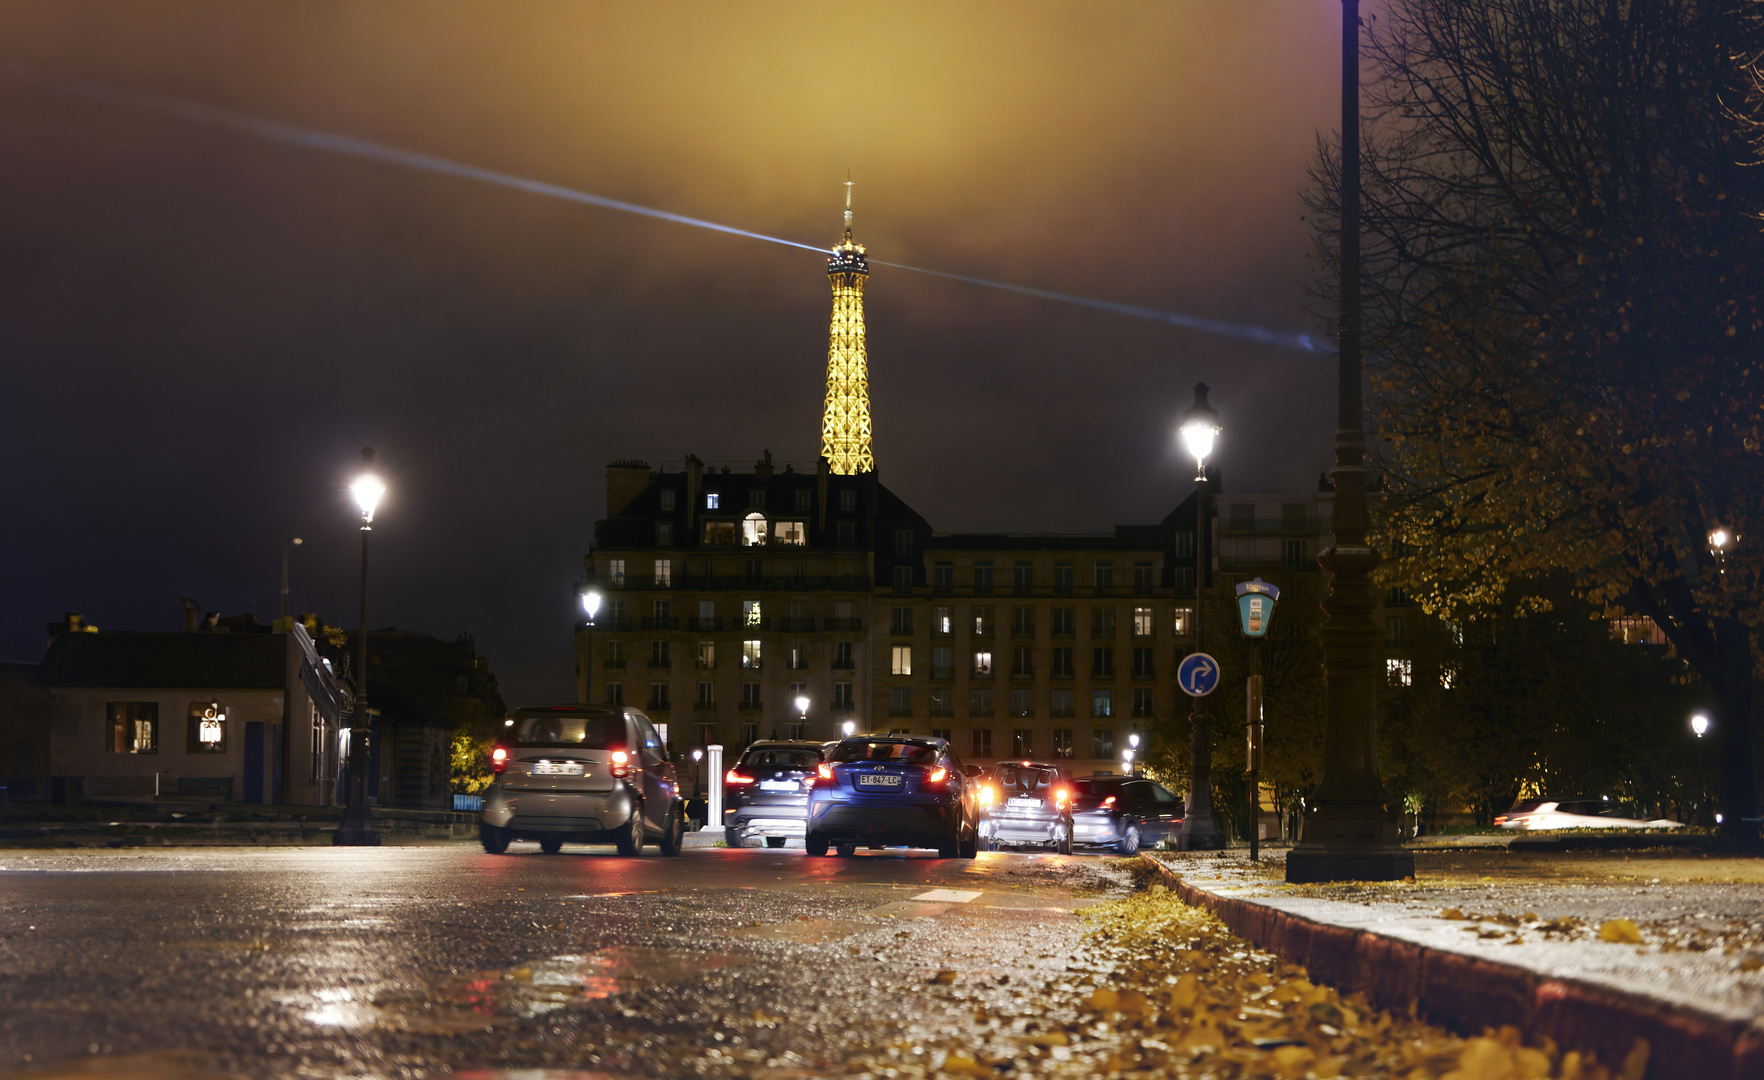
<point>887,790</point>
<point>1123,813</point>
<point>1026,804</point>
<point>765,796</point>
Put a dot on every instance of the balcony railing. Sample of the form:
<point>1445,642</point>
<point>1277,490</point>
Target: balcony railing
<point>845,624</point>
<point>664,622</point>
<point>796,625</point>
<point>704,624</point>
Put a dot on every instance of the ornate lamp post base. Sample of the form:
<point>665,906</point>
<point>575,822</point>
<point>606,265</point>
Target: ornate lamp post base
<point>357,827</point>
<point>1350,842</point>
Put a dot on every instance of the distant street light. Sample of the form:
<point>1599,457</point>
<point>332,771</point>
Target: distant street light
<point>849,728</point>
<point>357,828</point>
<point>1200,430</point>
<point>1700,725</point>
<point>591,604</point>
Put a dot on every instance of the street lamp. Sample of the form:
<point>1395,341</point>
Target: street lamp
<point>357,828</point>
<point>591,604</point>
<point>1350,833</point>
<point>1700,725</point>
<point>849,728</point>
<point>591,600</point>
<point>802,704</point>
<point>1200,430</point>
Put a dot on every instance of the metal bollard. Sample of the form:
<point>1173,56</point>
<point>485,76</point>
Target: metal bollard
<point>713,760</point>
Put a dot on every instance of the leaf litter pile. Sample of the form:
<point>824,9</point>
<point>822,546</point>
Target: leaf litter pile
<point>1171,992</point>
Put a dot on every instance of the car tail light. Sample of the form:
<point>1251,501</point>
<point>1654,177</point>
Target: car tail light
<point>824,771</point>
<point>736,778</point>
<point>499,759</point>
<point>1061,797</point>
<point>937,775</point>
<point>621,763</point>
<point>988,795</point>
<point>1108,802</point>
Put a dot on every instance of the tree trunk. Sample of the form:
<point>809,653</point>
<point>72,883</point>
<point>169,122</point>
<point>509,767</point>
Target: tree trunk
<point>1732,681</point>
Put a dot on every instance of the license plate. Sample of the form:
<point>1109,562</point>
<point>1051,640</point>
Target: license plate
<point>886,780</point>
<point>1025,804</point>
<point>557,768</point>
<point>780,785</point>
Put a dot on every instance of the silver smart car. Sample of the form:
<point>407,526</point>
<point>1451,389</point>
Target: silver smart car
<point>589,774</point>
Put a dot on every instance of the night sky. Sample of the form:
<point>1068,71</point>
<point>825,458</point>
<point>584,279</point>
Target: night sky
<point>201,329</point>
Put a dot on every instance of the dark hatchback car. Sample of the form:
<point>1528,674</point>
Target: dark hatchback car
<point>893,790</point>
<point>766,793</point>
<point>1026,804</point>
<point>1123,813</point>
<point>589,774</point>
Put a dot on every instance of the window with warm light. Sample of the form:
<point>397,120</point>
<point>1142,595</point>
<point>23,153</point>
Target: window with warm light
<point>1399,672</point>
<point>707,654</point>
<point>902,660</point>
<point>664,574</point>
<point>1142,622</point>
<point>983,663</point>
<point>207,729</point>
<point>752,613</point>
<point>615,571</point>
<point>750,655</point>
<point>753,530</point>
<point>134,727</point>
<point>790,532</point>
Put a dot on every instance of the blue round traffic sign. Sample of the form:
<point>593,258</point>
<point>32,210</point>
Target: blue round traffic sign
<point>1198,674</point>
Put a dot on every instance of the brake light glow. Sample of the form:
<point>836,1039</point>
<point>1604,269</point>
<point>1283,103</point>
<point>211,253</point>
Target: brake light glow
<point>937,775</point>
<point>733,777</point>
<point>621,763</point>
<point>824,771</point>
<point>1061,796</point>
<point>988,795</point>
<point>499,759</point>
<point>1108,802</point>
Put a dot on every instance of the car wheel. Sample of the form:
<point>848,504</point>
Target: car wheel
<point>1129,844</point>
<point>673,839</point>
<point>970,848</point>
<point>776,841</point>
<point>846,849</point>
<point>952,845</point>
<point>732,838</point>
<point>631,843</point>
<point>551,845</point>
<point>816,845</point>
<point>495,840</point>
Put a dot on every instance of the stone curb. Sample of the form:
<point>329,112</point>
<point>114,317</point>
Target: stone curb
<point>1470,995</point>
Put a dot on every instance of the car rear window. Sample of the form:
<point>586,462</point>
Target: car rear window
<point>907,753</point>
<point>776,758</point>
<point>1098,789</point>
<point>578,730</point>
<point>1028,781</point>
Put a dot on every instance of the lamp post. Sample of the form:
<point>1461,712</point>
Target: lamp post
<point>1700,725</point>
<point>802,704</point>
<point>1200,429</point>
<point>849,727</point>
<point>590,607</point>
<point>357,828</point>
<point>1349,832</point>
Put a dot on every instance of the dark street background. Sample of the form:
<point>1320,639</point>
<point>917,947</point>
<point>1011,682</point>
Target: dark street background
<point>201,329</point>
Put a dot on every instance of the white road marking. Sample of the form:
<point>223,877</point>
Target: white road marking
<point>948,896</point>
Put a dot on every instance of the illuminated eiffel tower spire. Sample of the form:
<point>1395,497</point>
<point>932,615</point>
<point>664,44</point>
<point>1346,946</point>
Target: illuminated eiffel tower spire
<point>845,424</point>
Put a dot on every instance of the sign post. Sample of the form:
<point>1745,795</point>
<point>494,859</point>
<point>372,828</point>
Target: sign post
<point>1255,610</point>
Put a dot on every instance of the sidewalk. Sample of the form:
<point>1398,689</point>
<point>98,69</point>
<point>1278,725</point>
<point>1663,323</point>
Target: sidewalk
<point>1589,949</point>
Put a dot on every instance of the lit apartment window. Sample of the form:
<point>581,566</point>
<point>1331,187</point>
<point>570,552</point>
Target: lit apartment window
<point>1182,623</point>
<point>790,532</point>
<point>750,695</point>
<point>1102,743</point>
<point>942,702</point>
<point>667,499</point>
<point>1400,672</point>
<point>664,573</point>
<point>1023,702</point>
<point>983,663</point>
<point>753,530</point>
<point>900,701</point>
<point>842,697</point>
<point>1142,622</point>
<point>1102,703</point>
<point>707,696</point>
<point>207,731</point>
<point>942,662</point>
<point>1062,742</point>
<point>719,533</point>
<point>707,654</point>
<point>982,742</point>
<point>615,571</point>
<point>1448,677</point>
<point>983,621</point>
<point>752,613</point>
<point>942,621</point>
<point>712,501</point>
<point>134,727</point>
<point>799,656</point>
<point>1142,704</point>
<point>980,703</point>
<point>750,655</point>
<point>903,660</point>
<point>1062,702</point>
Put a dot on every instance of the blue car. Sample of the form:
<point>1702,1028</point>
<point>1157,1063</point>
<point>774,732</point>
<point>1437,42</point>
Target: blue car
<point>893,790</point>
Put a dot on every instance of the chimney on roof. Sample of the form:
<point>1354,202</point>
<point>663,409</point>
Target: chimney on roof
<point>192,613</point>
<point>763,468</point>
<point>625,480</point>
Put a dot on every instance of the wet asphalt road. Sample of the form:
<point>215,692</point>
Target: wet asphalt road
<point>442,960</point>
